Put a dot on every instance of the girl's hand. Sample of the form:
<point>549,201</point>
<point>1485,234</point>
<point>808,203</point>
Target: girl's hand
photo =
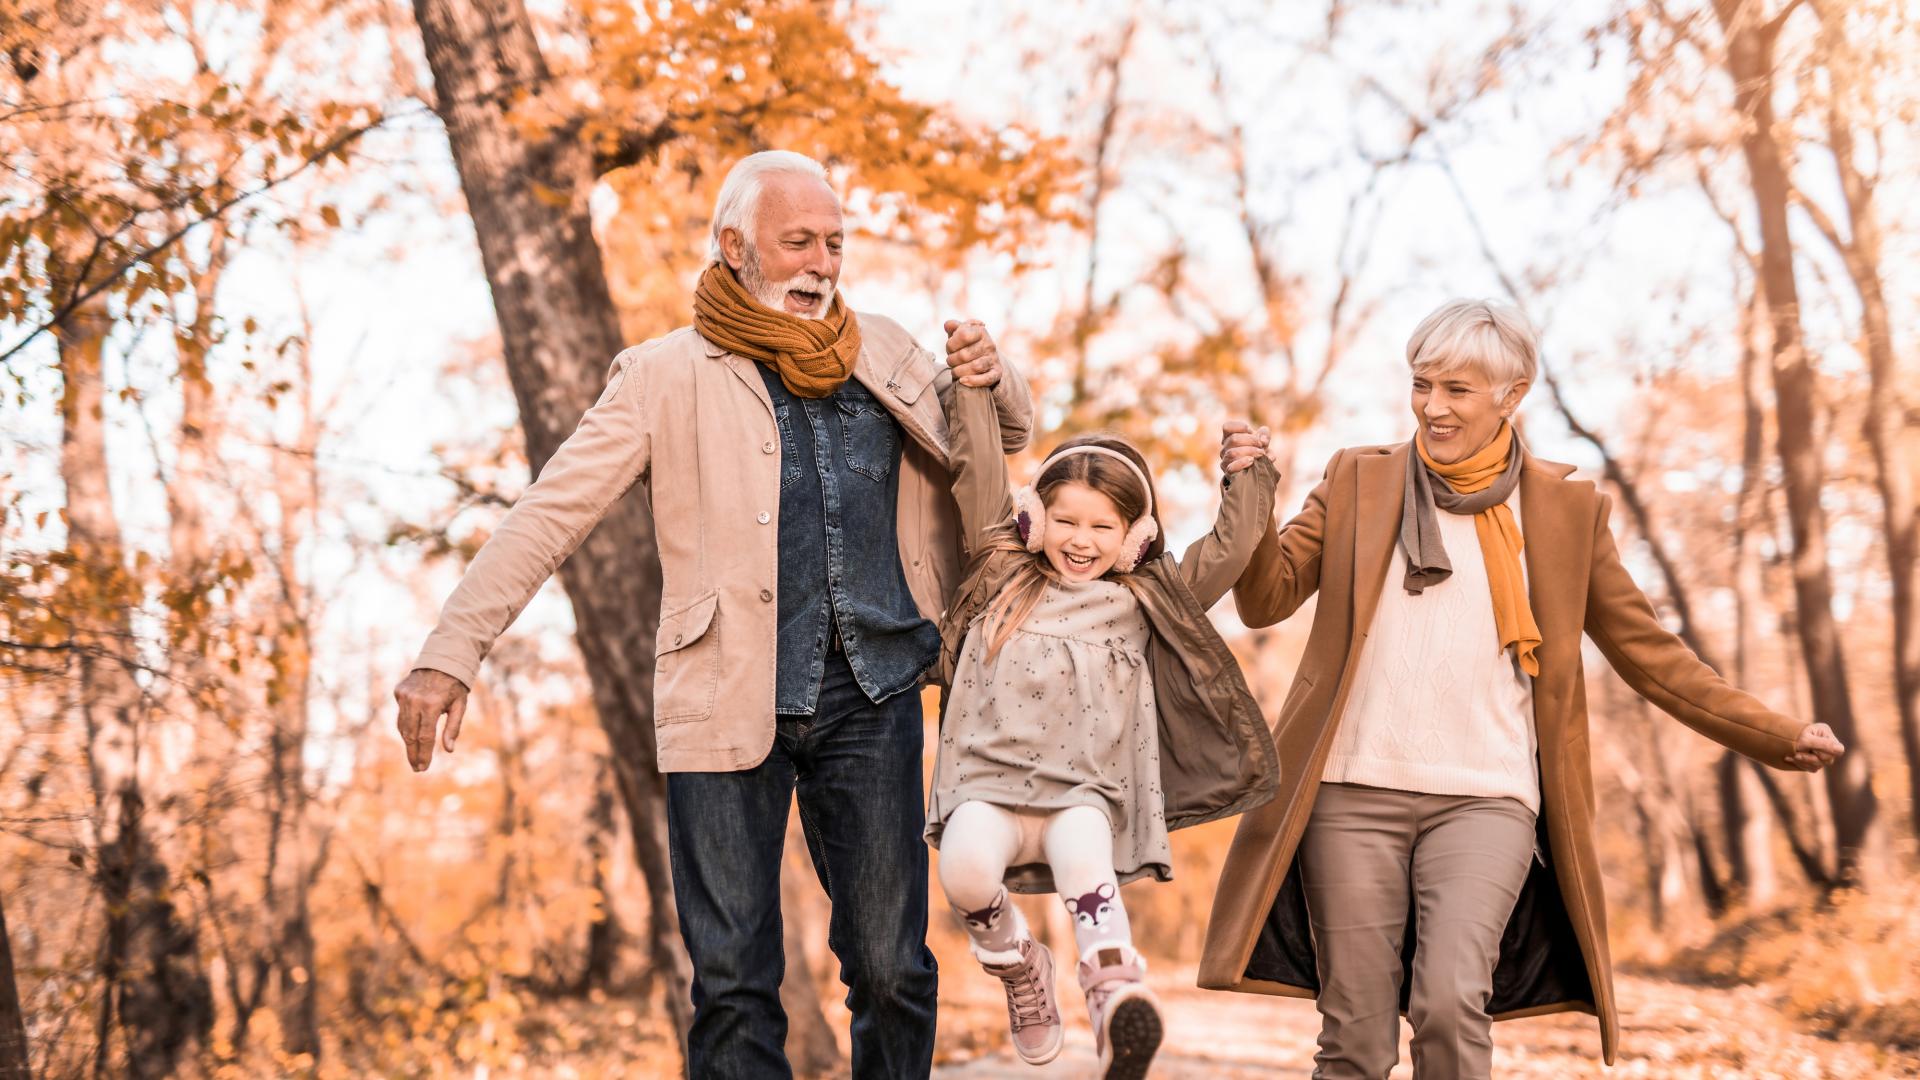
<point>1815,749</point>
<point>1241,445</point>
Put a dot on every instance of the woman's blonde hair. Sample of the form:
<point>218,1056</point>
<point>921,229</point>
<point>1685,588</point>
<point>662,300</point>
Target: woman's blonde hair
<point>1016,601</point>
<point>1490,336</point>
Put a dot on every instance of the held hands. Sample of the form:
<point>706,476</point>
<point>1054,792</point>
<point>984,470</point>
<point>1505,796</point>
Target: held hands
<point>1815,749</point>
<point>971,353</point>
<point>423,696</point>
<point>1241,444</point>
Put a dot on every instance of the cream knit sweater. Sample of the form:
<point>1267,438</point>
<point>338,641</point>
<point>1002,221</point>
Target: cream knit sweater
<point>1437,706</point>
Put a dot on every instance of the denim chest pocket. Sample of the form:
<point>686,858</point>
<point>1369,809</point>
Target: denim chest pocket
<point>789,455</point>
<point>869,434</point>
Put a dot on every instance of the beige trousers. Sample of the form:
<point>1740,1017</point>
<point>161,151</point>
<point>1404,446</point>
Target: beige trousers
<point>1368,853</point>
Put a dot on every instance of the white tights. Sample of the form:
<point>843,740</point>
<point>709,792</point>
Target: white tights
<point>982,840</point>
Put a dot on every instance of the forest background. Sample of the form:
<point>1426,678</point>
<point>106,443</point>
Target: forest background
<point>295,293</point>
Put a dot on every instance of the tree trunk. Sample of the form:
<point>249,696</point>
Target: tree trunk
<point>14,1056</point>
<point>603,936</point>
<point>152,985</point>
<point>296,487</point>
<point>1750,60</point>
<point>527,196</point>
<point>1886,427</point>
<point>1088,321</point>
<point>1745,817</point>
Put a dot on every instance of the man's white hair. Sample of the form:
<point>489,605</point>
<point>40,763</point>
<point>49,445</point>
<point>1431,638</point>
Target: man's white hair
<point>739,199</point>
<point>1489,336</point>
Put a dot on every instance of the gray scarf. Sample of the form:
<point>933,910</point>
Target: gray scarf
<point>1427,562</point>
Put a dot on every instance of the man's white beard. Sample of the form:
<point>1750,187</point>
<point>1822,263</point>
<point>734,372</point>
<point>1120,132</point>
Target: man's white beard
<point>773,294</point>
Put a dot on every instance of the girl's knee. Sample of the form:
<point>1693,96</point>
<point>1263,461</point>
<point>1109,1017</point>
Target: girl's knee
<point>970,873</point>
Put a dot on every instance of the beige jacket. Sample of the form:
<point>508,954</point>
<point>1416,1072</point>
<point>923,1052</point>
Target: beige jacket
<point>695,422</point>
<point>1553,956</point>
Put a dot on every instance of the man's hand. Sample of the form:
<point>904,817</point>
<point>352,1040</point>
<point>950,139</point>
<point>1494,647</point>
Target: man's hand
<point>1815,749</point>
<point>971,353</point>
<point>1241,444</point>
<point>424,695</point>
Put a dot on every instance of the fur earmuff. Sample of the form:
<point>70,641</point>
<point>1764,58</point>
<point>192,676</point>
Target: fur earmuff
<point>1030,517</point>
<point>1134,547</point>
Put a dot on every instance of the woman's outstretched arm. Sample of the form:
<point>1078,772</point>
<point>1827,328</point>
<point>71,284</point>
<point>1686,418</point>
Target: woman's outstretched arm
<point>1285,568</point>
<point>1660,667</point>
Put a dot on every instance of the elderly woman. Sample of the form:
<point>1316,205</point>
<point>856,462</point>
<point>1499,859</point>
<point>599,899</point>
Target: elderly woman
<point>1431,850</point>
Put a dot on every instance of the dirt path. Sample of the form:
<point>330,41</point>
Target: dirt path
<point>1670,1031</point>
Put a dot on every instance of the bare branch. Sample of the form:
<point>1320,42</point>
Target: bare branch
<point>81,295</point>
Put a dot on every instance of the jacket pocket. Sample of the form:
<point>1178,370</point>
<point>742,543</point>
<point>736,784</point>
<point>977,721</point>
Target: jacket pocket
<point>917,371</point>
<point>870,434</point>
<point>686,666</point>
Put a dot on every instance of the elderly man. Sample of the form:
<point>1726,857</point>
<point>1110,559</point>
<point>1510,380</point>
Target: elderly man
<point>797,459</point>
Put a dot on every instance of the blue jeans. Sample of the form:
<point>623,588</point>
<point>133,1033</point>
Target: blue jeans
<point>856,766</point>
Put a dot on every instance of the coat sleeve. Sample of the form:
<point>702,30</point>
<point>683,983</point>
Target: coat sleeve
<point>1660,667</point>
<point>1285,568</point>
<point>1213,562</point>
<point>980,485</point>
<point>1012,401</point>
<point>1013,404</point>
<point>596,465</point>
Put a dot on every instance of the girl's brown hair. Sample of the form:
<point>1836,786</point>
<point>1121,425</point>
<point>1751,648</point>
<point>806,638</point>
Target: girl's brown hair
<point>1022,593</point>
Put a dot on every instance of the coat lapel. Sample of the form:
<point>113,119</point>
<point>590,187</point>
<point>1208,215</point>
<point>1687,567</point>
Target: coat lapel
<point>1380,478</point>
<point>743,369</point>
<point>1555,538</point>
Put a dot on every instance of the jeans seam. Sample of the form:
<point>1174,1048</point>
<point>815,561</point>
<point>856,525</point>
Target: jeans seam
<point>814,834</point>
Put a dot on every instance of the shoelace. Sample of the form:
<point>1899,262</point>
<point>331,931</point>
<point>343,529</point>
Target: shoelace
<point>1026,1001</point>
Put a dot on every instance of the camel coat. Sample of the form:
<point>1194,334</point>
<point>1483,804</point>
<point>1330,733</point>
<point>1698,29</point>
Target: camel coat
<point>1553,956</point>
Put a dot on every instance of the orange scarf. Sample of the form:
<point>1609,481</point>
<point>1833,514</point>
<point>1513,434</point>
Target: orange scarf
<point>813,356</point>
<point>1500,544</point>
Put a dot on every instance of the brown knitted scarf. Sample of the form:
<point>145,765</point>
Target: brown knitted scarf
<point>813,356</point>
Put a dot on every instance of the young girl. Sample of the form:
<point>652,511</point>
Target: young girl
<point>1091,708</point>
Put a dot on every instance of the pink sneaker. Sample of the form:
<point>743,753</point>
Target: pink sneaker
<point>1124,1013</point>
<point>1032,1016</point>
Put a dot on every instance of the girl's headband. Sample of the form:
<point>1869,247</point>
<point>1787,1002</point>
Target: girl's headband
<point>1090,448</point>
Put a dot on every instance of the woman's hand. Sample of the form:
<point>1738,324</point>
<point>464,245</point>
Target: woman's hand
<point>1241,444</point>
<point>1815,749</point>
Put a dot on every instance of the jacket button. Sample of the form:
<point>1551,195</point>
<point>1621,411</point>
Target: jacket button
<point>677,637</point>
<point>765,517</point>
<point>766,448</point>
<point>767,595</point>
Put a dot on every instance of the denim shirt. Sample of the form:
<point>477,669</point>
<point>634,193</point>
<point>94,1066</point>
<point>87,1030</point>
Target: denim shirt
<point>839,555</point>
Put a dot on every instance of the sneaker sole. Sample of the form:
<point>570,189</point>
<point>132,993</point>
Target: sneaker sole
<point>1133,1037</point>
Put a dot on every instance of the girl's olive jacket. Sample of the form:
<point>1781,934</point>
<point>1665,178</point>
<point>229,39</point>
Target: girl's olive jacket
<point>1216,754</point>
